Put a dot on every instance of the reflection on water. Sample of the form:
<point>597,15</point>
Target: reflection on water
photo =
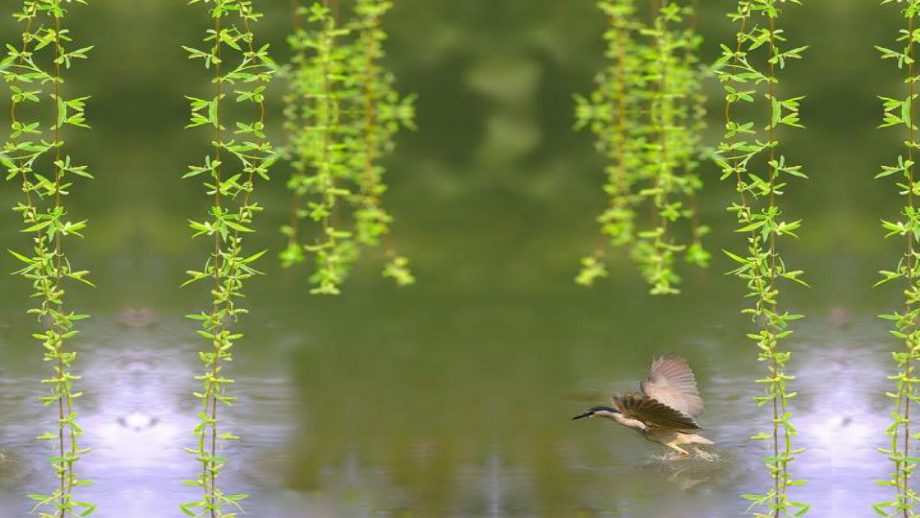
<point>347,423</point>
<point>843,422</point>
<point>139,415</point>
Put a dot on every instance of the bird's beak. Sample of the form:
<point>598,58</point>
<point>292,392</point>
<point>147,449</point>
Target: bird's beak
<point>586,414</point>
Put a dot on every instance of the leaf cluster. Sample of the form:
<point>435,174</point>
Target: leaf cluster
<point>342,113</point>
<point>240,156</point>
<point>748,156</point>
<point>898,113</point>
<point>647,115</point>
<point>34,157</point>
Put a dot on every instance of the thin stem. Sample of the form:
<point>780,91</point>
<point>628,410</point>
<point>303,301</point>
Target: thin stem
<point>692,106</point>
<point>762,270</point>
<point>297,199</point>
<point>64,403</point>
<point>296,17</point>
<point>661,113</point>
<point>370,120</point>
<point>618,124</point>
<point>907,387</point>
<point>621,123</point>
<point>44,215</point>
<point>728,117</point>
<point>328,125</point>
<point>327,110</point>
<point>14,105</point>
<point>778,476</point>
<point>262,112</point>
<point>371,150</point>
<point>209,469</point>
<point>616,128</point>
<point>332,221</point>
<point>230,213</point>
<point>665,50</point>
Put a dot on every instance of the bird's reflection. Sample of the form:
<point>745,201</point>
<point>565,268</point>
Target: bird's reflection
<point>703,469</point>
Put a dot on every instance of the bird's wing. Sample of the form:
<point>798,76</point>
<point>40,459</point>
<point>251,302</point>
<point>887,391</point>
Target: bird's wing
<point>671,382</point>
<point>652,412</point>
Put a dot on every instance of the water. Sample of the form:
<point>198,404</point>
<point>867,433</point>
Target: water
<point>438,407</point>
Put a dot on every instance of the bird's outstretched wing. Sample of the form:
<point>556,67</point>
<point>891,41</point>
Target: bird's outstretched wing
<point>670,381</point>
<point>652,412</point>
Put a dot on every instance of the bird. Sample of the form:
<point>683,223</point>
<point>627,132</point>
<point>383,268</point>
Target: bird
<point>666,408</point>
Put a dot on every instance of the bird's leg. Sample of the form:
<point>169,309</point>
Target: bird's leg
<point>680,451</point>
<point>704,454</point>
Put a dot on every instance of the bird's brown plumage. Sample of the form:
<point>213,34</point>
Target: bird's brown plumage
<point>652,412</point>
<point>671,382</point>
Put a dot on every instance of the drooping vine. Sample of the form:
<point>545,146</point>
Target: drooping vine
<point>654,250</point>
<point>240,158</point>
<point>342,113</point>
<point>899,113</point>
<point>647,116</point>
<point>35,157</point>
<point>693,125</point>
<point>749,156</point>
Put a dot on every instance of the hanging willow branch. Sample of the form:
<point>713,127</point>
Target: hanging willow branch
<point>749,157</point>
<point>899,112</point>
<point>647,116</point>
<point>655,249</point>
<point>385,113</point>
<point>693,125</point>
<point>342,113</point>
<point>35,157</point>
<point>241,69</point>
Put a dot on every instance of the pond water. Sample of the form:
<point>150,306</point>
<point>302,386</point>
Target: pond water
<point>454,398</point>
<point>432,406</point>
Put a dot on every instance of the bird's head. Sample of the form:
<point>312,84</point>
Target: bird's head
<point>598,411</point>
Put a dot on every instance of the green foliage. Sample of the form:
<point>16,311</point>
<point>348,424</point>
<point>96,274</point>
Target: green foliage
<point>647,115</point>
<point>342,113</point>
<point>34,156</point>
<point>242,69</point>
<point>748,155</point>
<point>899,113</point>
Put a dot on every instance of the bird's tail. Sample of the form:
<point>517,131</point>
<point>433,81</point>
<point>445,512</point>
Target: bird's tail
<point>699,439</point>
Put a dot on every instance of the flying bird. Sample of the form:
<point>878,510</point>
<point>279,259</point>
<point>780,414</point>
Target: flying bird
<point>665,409</point>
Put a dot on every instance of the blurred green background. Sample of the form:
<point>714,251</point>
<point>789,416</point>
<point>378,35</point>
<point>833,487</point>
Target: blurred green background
<point>452,397</point>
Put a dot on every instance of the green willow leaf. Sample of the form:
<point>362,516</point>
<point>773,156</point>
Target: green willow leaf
<point>900,114</point>
<point>342,115</point>
<point>43,210</point>
<point>229,218</point>
<point>751,159</point>
<point>647,115</point>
